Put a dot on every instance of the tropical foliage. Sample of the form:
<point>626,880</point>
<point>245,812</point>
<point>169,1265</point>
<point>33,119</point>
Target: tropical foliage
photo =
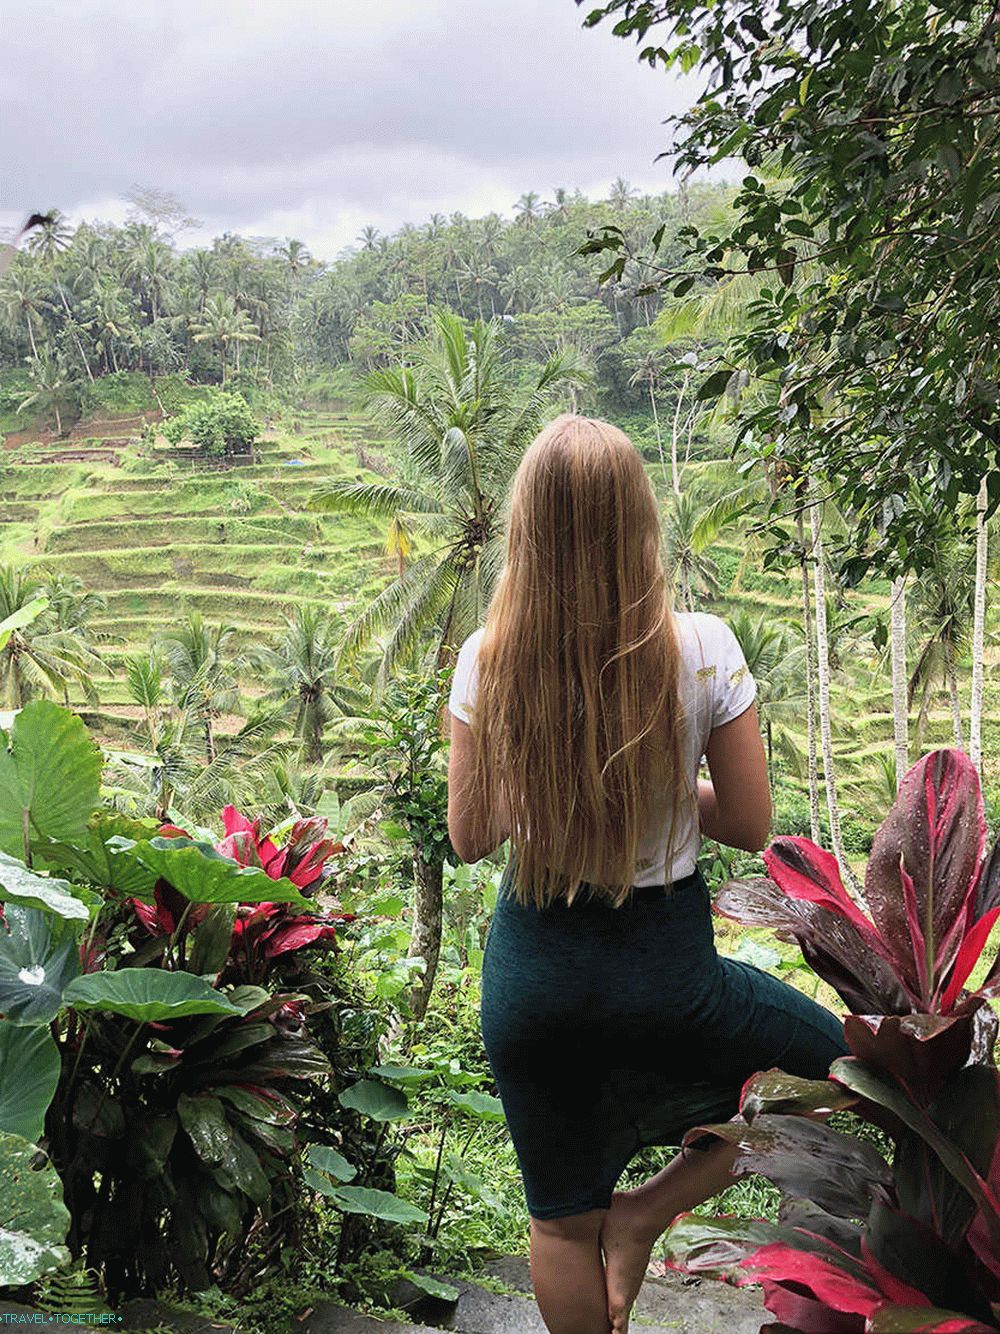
<point>924,1255</point>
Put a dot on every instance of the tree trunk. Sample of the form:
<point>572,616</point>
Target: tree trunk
<point>659,435</point>
<point>807,625</point>
<point>209,740</point>
<point>55,407</point>
<point>425,937</point>
<point>979,632</point>
<point>956,704</point>
<point>823,673</point>
<point>676,481</point>
<point>900,710</point>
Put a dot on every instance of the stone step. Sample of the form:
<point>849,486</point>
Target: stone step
<point>674,1304</point>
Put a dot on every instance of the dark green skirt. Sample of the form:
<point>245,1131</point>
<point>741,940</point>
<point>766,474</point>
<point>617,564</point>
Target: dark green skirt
<point>608,1029</point>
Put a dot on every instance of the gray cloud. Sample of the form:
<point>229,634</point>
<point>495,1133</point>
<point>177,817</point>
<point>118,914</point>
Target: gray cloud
<point>321,113</point>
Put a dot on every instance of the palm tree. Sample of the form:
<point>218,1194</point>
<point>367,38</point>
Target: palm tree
<point>942,602</point>
<point>777,665</point>
<point>646,362</point>
<point>527,209</point>
<point>691,568</point>
<point>621,194</point>
<point>48,374</point>
<point>369,236</point>
<point>463,427</point>
<point>206,666</point>
<point>151,265</point>
<point>37,657</point>
<point>223,322</point>
<point>72,608</point>
<point>51,237</point>
<point>305,670</point>
<point>23,301</point>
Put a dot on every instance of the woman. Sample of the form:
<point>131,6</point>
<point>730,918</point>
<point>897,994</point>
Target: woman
<point>581,711</point>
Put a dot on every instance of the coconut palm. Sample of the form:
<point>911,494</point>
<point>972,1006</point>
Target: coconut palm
<point>50,383</point>
<point>223,322</point>
<point>646,358</point>
<point>462,428</point>
<point>22,303</point>
<point>942,604</point>
<point>304,668</point>
<point>38,658</point>
<point>72,608</point>
<point>777,665</point>
<point>692,569</point>
<point>206,665</point>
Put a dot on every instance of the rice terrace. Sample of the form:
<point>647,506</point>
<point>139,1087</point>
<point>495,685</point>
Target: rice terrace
<point>258,496</point>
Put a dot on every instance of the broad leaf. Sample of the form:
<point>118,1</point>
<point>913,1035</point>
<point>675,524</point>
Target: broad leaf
<point>804,1158</point>
<point>924,864</point>
<point>17,620</point>
<point>20,885</point>
<point>34,1220</point>
<point>402,1074</point>
<point>50,773</point>
<point>39,957</point>
<point>433,1286</point>
<point>483,1106</point>
<point>147,994</point>
<point>204,875</point>
<point>375,1204</point>
<point>207,1126</point>
<point>381,1102</point>
<point>29,1073</point>
<point>776,1092</point>
<point>91,858</point>
<point>330,1161</point>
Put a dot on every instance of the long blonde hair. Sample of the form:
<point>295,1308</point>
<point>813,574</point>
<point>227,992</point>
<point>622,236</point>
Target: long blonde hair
<point>577,722</point>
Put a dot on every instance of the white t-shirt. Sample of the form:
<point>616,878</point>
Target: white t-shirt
<point>715,685</point>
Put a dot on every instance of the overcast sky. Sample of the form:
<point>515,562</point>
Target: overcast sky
<point>312,118</point>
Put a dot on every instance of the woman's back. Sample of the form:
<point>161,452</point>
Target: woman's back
<point>715,686</point>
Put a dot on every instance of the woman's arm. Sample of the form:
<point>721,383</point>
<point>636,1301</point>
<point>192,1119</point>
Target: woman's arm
<point>735,807</point>
<point>474,827</point>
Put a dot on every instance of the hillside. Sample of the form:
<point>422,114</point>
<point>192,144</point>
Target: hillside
<point>157,534</point>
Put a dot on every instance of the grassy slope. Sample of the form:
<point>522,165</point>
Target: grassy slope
<point>157,537</point>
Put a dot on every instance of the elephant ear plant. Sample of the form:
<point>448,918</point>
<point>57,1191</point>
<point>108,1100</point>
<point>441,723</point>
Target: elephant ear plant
<point>156,1040</point>
<point>865,1244</point>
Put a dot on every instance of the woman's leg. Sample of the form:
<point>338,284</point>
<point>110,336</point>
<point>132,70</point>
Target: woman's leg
<point>567,1273</point>
<point>637,1217</point>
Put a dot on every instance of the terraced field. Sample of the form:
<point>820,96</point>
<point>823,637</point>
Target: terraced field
<point>157,536</point>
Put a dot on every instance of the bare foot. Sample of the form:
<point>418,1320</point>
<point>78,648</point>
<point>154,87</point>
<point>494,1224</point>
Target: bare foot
<point>626,1242</point>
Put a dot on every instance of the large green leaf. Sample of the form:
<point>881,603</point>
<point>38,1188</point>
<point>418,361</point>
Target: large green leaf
<point>17,620</point>
<point>39,956</point>
<point>33,1219</point>
<point>92,859</point>
<point>379,1101</point>
<point>204,875</point>
<point>29,1073</point>
<point>50,774</point>
<point>330,1161</point>
<point>204,1119</point>
<point>407,1075</point>
<point>147,994</point>
<point>483,1106</point>
<point>20,885</point>
<point>375,1204</point>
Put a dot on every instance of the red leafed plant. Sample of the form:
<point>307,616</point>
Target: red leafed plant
<point>260,931</point>
<point>864,1244</point>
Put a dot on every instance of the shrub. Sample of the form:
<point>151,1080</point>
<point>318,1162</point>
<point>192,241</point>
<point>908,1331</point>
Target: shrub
<point>925,1256</point>
<point>156,1021</point>
<point>221,424</point>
